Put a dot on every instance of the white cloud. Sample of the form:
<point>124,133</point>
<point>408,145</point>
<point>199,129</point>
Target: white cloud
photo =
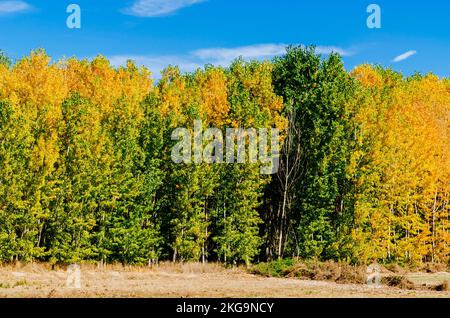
<point>404,56</point>
<point>261,51</point>
<point>218,56</point>
<point>157,63</point>
<point>158,8</point>
<point>227,55</point>
<point>224,56</point>
<point>8,7</point>
<point>333,49</point>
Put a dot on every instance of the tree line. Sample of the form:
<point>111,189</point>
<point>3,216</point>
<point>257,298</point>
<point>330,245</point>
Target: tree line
<point>86,171</point>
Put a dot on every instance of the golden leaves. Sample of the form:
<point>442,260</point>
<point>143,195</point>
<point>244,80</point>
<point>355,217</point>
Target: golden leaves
<point>105,86</point>
<point>173,92</point>
<point>367,76</point>
<point>405,122</point>
<point>209,94</point>
<point>214,97</point>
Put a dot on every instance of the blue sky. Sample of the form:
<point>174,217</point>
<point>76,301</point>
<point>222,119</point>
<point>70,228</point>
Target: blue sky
<point>415,35</point>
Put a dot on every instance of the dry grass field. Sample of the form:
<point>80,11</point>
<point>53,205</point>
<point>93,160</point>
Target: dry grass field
<point>188,280</point>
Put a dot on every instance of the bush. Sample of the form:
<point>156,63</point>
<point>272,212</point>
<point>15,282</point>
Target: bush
<point>278,268</point>
<point>314,270</point>
<point>442,287</point>
<point>398,281</point>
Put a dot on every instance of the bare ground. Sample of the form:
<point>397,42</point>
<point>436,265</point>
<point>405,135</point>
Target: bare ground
<point>190,280</point>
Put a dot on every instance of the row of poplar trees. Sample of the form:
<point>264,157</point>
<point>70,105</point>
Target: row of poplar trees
<point>86,171</point>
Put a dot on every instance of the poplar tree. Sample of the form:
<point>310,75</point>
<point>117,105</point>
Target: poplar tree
<point>319,90</point>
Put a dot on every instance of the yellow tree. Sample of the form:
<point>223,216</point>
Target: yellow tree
<point>402,163</point>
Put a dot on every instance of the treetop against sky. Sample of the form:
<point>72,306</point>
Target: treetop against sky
<point>409,36</point>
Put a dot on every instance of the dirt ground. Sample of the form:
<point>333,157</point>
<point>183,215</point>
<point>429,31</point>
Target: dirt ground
<point>190,280</point>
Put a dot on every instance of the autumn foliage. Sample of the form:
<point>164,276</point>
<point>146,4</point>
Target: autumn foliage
<point>86,173</point>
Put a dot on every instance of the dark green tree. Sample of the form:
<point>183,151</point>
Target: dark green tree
<point>320,91</point>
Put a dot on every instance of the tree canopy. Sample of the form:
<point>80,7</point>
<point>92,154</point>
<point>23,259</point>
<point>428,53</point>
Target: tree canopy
<point>86,172</point>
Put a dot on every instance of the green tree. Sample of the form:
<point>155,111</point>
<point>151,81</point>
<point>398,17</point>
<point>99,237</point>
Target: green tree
<point>19,219</point>
<point>320,90</point>
<point>4,59</point>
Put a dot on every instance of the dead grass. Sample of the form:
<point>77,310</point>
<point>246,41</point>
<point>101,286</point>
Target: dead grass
<point>203,280</point>
<point>435,268</point>
<point>427,277</point>
<point>181,268</point>
<point>442,287</point>
<point>329,271</point>
<point>398,281</point>
<point>395,268</point>
<point>191,268</point>
<point>425,268</point>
